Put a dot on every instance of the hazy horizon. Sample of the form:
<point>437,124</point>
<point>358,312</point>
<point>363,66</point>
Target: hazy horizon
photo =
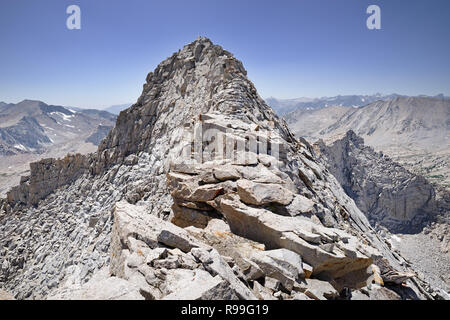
<point>290,50</point>
<point>265,98</point>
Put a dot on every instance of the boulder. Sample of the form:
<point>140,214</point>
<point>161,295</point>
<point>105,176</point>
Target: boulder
<point>318,290</point>
<point>226,172</point>
<point>215,264</point>
<point>261,292</point>
<point>262,193</point>
<point>378,292</point>
<point>358,295</point>
<point>259,174</point>
<point>281,264</point>
<point>300,296</point>
<point>192,188</point>
<point>272,284</point>
<point>236,248</point>
<point>139,248</point>
<point>296,235</point>
<point>300,205</point>
<point>184,217</point>
<point>100,287</point>
<point>132,222</point>
<point>181,284</point>
<point>287,259</point>
<point>252,271</point>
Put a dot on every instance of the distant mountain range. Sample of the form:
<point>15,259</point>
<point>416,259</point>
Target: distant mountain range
<point>308,123</point>
<point>424,120</point>
<point>115,109</point>
<point>2,105</point>
<point>33,126</point>
<point>414,131</point>
<point>284,106</point>
<point>403,120</point>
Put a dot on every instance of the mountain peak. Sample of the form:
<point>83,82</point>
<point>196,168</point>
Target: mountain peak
<point>193,54</point>
<point>260,185</point>
<point>30,101</point>
<point>200,78</point>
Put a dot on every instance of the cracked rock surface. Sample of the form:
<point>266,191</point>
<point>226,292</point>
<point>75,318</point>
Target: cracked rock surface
<point>246,211</point>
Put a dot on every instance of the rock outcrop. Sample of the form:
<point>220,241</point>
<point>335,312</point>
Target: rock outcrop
<point>413,131</point>
<point>387,193</point>
<point>199,192</point>
<point>46,176</point>
<point>100,287</point>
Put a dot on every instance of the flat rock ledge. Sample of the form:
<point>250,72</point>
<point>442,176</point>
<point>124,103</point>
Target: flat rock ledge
<point>155,259</point>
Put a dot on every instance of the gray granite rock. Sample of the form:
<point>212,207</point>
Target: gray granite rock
<point>115,208</point>
<point>387,193</point>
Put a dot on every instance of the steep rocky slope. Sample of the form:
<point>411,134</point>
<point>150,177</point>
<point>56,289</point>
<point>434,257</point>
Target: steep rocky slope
<point>413,131</point>
<point>428,252</point>
<point>199,192</point>
<point>399,204</point>
<point>388,194</point>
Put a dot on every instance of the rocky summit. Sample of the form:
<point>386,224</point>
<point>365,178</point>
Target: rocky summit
<point>199,192</point>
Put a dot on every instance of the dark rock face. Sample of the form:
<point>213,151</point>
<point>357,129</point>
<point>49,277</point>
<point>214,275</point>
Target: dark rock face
<point>387,193</point>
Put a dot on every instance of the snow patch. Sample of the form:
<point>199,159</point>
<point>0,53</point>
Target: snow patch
<point>20,147</point>
<point>64,116</point>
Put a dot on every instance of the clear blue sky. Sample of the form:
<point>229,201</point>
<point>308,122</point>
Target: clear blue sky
<point>289,48</point>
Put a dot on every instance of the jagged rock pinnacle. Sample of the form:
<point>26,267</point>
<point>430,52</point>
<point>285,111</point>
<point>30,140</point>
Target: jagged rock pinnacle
<point>408,200</point>
<point>200,78</point>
